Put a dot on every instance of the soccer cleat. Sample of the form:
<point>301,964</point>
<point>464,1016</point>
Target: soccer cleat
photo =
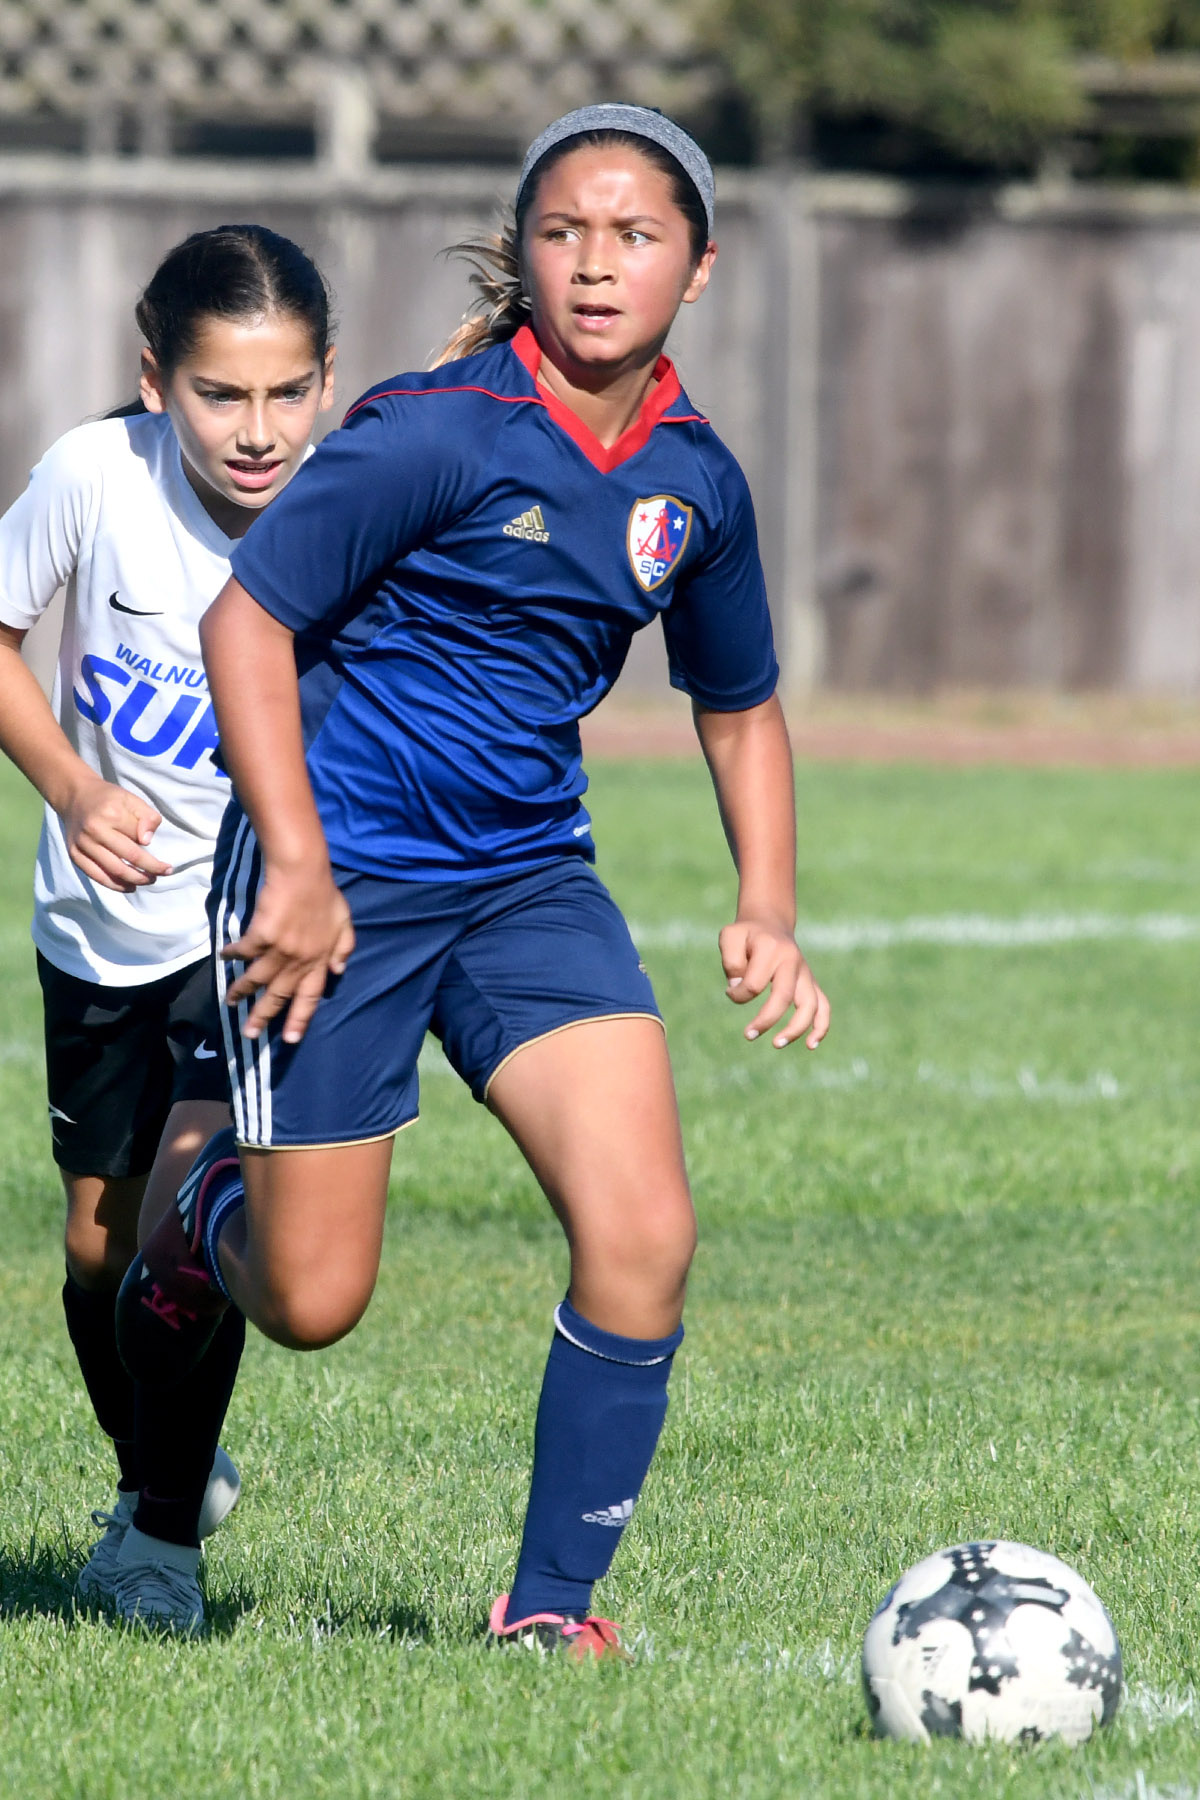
<point>168,1305</point>
<point>155,1585</point>
<point>573,1635</point>
<point>96,1579</point>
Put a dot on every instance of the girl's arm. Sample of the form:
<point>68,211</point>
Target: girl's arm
<point>106,829</point>
<point>750,761</point>
<point>301,930</point>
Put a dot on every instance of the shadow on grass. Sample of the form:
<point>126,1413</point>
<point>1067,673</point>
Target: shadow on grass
<point>42,1581</point>
<point>225,1612</point>
<point>323,1619</point>
<point>401,1623</point>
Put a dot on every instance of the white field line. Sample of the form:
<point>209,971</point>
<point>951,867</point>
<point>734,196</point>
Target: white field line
<point>1097,1087</point>
<point>1023,1084</point>
<point>1141,1789</point>
<point>1100,1085</point>
<point>1151,1707</point>
<point>1139,868</point>
<point>821,1664</point>
<point>1154,1707</point>
<point>967,931</point>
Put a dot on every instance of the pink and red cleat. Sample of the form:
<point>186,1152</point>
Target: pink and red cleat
<point>557,1634</point>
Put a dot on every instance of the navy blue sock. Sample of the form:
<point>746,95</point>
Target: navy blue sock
<point>604,1399</point>
<point>226,1195</point>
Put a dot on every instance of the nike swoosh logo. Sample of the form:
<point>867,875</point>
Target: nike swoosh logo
<point>118,607</point>
<point>56,1114</point>
<point>202,1053</point>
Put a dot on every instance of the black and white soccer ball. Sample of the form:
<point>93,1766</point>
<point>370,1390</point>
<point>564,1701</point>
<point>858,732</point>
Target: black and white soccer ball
<point>991,1641</point>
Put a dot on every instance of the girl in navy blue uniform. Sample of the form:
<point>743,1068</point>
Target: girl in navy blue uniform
<point>399,664</point>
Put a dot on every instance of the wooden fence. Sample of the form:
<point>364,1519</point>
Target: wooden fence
<point>971,422</point>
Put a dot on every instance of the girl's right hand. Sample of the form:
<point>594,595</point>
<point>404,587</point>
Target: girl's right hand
<point>106,832</point>
<point>300,934</point>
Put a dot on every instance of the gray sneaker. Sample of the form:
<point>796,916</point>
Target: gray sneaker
<point>95,1581</point>
<point>156,1585</point>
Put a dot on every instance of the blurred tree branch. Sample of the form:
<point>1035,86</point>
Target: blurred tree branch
<point>996,81</point>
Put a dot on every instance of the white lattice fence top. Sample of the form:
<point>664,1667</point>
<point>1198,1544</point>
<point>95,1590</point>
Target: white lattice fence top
<point>271,59</point>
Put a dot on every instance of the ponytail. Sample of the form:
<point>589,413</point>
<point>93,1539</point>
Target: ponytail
<point>131,409</point>
<point>501,306</point>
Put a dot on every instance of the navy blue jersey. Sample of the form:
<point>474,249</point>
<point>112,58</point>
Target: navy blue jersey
<point>464,565</point>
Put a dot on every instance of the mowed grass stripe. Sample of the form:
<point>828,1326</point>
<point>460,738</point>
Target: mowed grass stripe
<point>946,1288</point>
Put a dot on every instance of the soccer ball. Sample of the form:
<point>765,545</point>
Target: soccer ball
<point>991,1641</point>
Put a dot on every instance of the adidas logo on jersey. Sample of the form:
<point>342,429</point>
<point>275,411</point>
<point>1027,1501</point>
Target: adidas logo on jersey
<point>611,1515</point>
<point>529,525</point>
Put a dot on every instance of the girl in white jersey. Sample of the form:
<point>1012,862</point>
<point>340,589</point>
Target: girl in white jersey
<point>136,515</point>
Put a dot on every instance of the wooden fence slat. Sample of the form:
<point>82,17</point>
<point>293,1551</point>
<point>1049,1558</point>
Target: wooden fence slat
<point>971,425</point>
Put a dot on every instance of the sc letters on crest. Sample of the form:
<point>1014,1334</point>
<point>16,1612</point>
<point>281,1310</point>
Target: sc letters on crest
<point>656,537</point>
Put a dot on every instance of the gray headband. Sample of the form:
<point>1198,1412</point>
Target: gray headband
<point>640,121</point>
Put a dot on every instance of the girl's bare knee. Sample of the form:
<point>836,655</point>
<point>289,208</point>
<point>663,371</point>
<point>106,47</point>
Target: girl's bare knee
<point>96,1260</point>
<point>652,1259</point>
<point>308,1316</point>
<point>667,1246</point>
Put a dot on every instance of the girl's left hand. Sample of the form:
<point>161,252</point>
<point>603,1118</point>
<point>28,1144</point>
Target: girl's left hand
<point>757,956</point>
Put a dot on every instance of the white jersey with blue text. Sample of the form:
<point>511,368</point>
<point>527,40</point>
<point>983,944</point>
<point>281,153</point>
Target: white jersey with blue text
<point>110,515</point>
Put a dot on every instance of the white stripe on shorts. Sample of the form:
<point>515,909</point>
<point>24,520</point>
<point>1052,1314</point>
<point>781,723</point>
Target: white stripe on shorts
<point>224,931</point>
<point>249,1058</point>
<point>257,1051</point>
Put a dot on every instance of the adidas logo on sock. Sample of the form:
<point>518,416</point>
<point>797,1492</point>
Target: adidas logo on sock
<point>611,1515</point>
<point>529,525</point>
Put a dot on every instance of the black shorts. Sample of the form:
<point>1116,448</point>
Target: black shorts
<point>119,1058</point>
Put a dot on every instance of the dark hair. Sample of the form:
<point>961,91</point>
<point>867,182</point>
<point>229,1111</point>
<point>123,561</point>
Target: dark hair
<point>237,272</point>
<point>502,306</point>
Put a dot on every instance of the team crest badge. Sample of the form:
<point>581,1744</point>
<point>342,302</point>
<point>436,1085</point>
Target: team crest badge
<point>658,531</point>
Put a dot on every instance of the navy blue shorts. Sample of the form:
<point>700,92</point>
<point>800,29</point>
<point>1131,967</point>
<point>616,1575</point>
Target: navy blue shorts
<point>487,966</point>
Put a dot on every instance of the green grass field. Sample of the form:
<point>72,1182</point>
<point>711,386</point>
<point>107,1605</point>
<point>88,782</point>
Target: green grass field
<point>947,1288</point>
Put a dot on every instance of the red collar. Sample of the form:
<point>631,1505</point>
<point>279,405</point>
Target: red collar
<point>663,391</point>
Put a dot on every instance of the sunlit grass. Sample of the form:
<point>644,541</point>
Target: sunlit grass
<point>947,1287</point>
